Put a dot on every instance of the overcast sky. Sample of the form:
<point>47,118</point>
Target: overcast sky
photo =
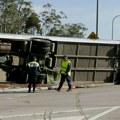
<point>84,11</point>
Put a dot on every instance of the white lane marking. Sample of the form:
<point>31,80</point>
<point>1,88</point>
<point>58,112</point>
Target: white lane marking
<point>70,118</point>
<point>16,97</point>
<point>104,113</point>
<point>85,109</point>
<point>22,115</point>
<point>9,98</point>
<point>25,115</point>
<point>22,95</point>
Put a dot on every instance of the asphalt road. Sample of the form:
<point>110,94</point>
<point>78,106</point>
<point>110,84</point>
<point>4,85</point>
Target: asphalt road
<point>98,103</point>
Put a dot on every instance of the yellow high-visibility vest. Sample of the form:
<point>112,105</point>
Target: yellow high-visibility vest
<point>64,66</point>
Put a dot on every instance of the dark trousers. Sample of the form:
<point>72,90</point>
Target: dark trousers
<point>68,78</point>
<point>32,80</point>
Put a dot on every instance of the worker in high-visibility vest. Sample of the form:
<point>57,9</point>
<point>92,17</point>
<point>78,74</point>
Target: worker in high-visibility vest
<point>33,71</point>
<point>65,73</point>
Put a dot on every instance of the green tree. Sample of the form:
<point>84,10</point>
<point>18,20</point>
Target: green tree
<point>32,24</point>
<point>69,30</point>
<point>17,16</point>
<point>25,10</point>
<point>14,14</point>
<point>52,25</point>
<point>50,19</point>
<point>8,16</point>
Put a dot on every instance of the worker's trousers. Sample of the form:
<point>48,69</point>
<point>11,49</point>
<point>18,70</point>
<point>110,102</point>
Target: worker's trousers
<point>32,80</point>
<point>68,78</point>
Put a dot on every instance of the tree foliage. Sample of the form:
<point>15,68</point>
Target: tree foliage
<point>14,14</point>
<point>17,16</point>
<point>25,10</point>
<point>50,19</point>
<point>9,15</point>
<point>69,30</point>
<point>51,24</point>
<point>32,24</point>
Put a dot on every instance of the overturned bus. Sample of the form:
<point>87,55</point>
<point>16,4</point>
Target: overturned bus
<point>92,60</point>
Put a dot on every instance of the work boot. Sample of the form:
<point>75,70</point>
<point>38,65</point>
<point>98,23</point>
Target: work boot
<point>29,91</point>
<point>33,90</point>
<point>69,89</point>
<point>58,89</point>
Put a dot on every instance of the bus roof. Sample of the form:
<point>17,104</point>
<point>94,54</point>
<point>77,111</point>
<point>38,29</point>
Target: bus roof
<point>19,37</point>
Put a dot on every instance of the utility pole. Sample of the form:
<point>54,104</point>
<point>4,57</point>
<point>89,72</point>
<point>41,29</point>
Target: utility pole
<point>97,12</point>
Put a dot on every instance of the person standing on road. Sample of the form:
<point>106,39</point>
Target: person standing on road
<point>33,70</point>
<point>65,73</point>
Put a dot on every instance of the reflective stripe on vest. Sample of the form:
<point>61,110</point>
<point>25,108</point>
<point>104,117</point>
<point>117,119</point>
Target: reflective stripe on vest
<point>33,68</point>
<point>33,64</point>
<point>64,66</point>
